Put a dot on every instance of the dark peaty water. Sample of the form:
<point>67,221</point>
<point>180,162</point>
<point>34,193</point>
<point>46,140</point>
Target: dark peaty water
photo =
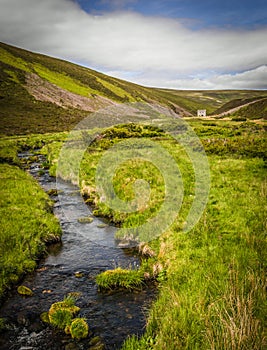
<point>88,249</point>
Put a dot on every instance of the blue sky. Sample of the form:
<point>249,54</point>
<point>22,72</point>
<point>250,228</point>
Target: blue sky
<point>170,43</point>
<point>199,14</point>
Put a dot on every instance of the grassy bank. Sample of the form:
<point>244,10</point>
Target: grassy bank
<point>212,291</point>
<point>212,294</point>
<point>26,219</point>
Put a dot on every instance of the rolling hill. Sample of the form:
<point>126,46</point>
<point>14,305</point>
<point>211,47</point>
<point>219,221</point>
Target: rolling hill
<point>43,94</point>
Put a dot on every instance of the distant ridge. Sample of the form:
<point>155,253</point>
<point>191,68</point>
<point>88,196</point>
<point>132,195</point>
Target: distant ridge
<point>40,94</point>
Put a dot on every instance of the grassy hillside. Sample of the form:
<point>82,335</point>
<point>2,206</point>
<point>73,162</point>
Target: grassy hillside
<point>256,110</point>
<point>214,101</point>
<point>43,94</point>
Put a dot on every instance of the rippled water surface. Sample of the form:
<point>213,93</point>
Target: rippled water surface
<point>88,249</point>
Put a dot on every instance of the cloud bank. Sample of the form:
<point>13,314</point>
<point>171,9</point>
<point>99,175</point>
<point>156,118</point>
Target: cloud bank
<point>154,51</point>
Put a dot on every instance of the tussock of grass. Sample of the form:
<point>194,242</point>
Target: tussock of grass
<point>120,278</point>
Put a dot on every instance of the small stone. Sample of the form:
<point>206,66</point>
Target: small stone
<point>99,346</point>
<point>52,192</point>
<point>22,319</point>
<point>102,225</point>
<point>23,290</point>
<point>94,341</point>
<point>85,220</point>
<point>96,344</point>
<point>71,346</point>
<point>78,274</point>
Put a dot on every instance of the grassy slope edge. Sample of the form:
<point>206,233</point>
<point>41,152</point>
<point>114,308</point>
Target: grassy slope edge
<point>27,223</point>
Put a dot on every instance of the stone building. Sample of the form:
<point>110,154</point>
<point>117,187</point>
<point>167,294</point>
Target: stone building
<point>201,113</point>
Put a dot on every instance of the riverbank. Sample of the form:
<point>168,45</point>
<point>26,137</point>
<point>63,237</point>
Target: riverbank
<point>70,268</point>
<point>27,224</point>
<point>212,291</point>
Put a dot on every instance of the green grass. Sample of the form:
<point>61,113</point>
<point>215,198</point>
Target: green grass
<point>239,102</point>
<point>212,294</point>
<point>11,60</point>
<point>61,315</point>
<point>213,297</point>
<point>120,278</point>
<point>27,224</point>
<point>256,110</point>
<point>64,81</point>
<point>214,101</point>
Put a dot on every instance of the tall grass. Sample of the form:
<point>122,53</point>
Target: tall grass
<point>26,222</point>
<point>232,323</point>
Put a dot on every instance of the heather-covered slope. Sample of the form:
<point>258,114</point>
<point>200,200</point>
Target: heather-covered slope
<point>43,94</point>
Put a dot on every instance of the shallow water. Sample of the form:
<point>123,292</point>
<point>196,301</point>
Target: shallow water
<point>85,248</point>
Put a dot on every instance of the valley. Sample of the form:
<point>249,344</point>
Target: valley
<point>210,278</point>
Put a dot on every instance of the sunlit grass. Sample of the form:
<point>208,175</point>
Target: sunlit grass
<point>120,278</point>
<point>211,293</point>
<point>26,221</point>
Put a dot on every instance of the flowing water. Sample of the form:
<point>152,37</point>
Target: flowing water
<point>86,248</point>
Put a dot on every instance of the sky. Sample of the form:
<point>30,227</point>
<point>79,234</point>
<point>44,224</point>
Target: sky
<point>191,44</point>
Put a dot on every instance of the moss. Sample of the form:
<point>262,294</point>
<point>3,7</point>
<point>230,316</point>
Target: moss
<point>67,303</point>
<point>23,290</point>
<point>2,324</point>
<point>61,313</point>
<point>60,317</point>
<point>85,220</point>
<point>52,192</point>
<point>45,317</point>
<point>78,274</point>
<point>102,225</point>
<point>79,328</point>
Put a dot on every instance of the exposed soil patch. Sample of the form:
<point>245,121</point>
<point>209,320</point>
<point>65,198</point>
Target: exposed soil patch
<point>43,90</point>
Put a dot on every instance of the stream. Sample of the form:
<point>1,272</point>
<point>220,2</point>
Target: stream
<point>71,266</point>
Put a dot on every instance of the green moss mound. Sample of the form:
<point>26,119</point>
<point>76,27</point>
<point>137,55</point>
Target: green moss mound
<point>60,318</point>
<point>79,328</point>
<point>61,313</point>
<point>23,290</point>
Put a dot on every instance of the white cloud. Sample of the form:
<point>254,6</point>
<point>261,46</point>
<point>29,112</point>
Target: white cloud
<point>160,48</point>
<point>251,79</point>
